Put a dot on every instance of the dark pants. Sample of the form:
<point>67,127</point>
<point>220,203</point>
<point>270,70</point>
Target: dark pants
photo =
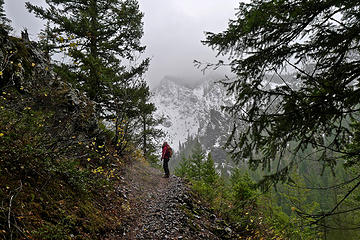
<point>166,166</point>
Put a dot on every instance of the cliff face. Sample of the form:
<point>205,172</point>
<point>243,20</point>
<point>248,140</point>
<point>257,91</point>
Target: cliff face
<point>191,111</point>
<point>195,112</point>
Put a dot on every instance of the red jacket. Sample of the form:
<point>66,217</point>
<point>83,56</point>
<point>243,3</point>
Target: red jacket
<point>164,149</point>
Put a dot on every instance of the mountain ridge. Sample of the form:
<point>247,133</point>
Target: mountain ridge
<point>187,110</point>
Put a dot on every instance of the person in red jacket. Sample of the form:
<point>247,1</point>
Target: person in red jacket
<point>166,154</point>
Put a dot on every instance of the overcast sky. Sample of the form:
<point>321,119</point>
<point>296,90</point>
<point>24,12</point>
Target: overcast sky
<point>173,31</point>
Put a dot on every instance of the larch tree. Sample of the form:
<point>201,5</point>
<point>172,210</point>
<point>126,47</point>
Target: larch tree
<point>318,44</point>
<point>101,39</point>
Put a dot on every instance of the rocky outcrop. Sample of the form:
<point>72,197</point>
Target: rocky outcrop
<point>24,67</point>
<point>54,164</point>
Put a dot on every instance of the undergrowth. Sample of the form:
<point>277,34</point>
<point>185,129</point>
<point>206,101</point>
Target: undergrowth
<point>237,200</point>
<point>57,166</point>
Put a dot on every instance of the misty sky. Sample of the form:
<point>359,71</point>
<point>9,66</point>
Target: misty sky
<point>173,31</point>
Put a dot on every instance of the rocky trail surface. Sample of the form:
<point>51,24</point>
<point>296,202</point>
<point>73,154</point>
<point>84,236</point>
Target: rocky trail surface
<point>165,208</point>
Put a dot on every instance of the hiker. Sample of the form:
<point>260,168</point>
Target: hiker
<point>166,155</point>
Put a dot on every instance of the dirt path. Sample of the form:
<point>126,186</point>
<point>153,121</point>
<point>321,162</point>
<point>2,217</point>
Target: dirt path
<point>163,208</point>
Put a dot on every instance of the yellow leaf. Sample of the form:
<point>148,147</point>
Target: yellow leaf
<point>33,64</point>
<point>1,73</point>
<point>1,134</point>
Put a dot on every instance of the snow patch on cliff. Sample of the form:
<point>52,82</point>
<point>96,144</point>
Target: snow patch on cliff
<point>187,109</point>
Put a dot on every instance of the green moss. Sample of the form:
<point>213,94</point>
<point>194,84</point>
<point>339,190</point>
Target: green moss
<point>96,222</point>
<point>52,231</point>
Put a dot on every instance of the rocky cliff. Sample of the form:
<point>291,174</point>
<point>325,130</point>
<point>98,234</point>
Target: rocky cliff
<point>191,110</point>
<point>195,111</point>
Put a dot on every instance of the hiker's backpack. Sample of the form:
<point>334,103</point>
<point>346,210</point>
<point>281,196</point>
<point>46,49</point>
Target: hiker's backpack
<point>169,152</point>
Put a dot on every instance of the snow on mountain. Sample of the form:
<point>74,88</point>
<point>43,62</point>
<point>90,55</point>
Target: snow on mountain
<point>195,110</point>
<point>190,110</point>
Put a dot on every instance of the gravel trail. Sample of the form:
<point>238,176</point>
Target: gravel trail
<point>164,208</point>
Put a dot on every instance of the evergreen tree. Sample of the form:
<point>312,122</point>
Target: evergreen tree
<point>4,21</point>
<point>192,166</point>
<point>197,166</point>
<point>319,42</point>
<point>196,159</point>
<point>126,111</point>
<point>208,172</point>
<point>149,135</point>
<point>45,44</point>
<point>182,169</point>
<point>134,119</point>
<point>102,39</point>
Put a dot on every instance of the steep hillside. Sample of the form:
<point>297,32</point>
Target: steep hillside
<point>57,165</point>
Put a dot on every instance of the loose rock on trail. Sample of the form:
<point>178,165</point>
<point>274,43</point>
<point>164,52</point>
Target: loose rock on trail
<point>164,208</point>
